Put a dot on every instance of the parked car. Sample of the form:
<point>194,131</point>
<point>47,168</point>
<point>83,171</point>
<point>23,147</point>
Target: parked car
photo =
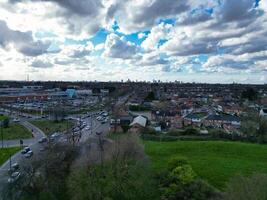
<point>29,154</point>
<point>14,177</point>
<point>25,150</point>
<point>54,135</point>
<point>42,140</point>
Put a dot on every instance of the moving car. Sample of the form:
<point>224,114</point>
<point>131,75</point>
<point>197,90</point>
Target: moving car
<point>43,139</point>
<point>14,167</point>
<point>29,154</point>
<point>25,150</point>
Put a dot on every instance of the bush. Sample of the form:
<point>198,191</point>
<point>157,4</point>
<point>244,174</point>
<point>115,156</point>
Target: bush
<point>125,128</point>
<point>191,131</point>
<point>138,108</point>
<point>150,131</point>
<point>218,133</point>
<point>176,161</point>
<point>6,123</point>
<point>174,132</point>
<point>180,182</point>
<point>183,174</point>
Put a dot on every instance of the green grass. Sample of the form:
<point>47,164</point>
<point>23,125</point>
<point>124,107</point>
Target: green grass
<point>6,152</point>
<point>3,117</point>
<point>213,161</point>
<point>16,131</point>
<point>49,127</point>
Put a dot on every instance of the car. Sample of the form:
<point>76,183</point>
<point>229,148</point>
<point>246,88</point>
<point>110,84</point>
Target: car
<point>54,135</point>
<point>42,140</point>
<point>13,177</point>
<point>14,167</point>
<point>16,120</point>
<point>25,150</point>
<point>29,154</point>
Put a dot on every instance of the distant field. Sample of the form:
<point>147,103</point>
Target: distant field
<point>6,152</point>
<point>213,161</point>
<point>15,131</point>
<point>49,127</point>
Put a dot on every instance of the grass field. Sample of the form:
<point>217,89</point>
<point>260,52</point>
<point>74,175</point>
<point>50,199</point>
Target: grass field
<point>49,127</point>
<point>6,152</point>
<point>15,131</point>
<point>213,161</point>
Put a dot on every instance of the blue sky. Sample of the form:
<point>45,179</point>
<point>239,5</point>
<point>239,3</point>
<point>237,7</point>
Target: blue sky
<point>212,41</point>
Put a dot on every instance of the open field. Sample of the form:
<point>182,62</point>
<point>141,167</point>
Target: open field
<point>49,127</point>
<point>6,152</point>
<point>16,131</point>
<point>213,161</point>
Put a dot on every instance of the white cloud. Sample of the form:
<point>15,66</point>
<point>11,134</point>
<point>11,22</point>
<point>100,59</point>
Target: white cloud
<point>141,35</point>
<point>117,47</point>
<point>99,46</point>
<point>157,33</point>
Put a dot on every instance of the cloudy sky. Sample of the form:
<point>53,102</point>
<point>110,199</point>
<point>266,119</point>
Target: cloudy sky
<point>187,40</point>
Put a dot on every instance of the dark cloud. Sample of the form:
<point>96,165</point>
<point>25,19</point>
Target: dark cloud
<point>22,41</point>
<point>80,7</point>
<point>195,17</point>
<point>41,64</point>
<point>239,10</point>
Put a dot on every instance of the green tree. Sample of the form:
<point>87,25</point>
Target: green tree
<point>150,96</point>
<point>249,94</point>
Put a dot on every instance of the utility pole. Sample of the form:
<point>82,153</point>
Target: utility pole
<point>2,134</point>
<point>10,162</point>
<point>100,142</point>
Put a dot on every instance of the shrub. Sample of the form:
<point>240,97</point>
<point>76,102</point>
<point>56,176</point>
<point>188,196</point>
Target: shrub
<point>191,131</point>
<point>183,174</point>
<point>176,161</point>
<point>181,183</point>
<point>6,123</point>
<point>174,132</point>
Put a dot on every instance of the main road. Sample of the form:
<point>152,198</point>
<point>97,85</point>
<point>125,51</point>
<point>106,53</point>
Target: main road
<point>95,127</point>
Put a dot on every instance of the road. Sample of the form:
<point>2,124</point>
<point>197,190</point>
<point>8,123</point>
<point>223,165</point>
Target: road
<point>95,127</point>
<point>18,157</point>
<point>37,134</point>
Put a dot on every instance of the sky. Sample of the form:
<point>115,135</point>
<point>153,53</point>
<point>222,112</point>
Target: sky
<point>211,41</point>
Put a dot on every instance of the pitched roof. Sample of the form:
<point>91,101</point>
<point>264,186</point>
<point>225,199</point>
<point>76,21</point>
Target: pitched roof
<point>223,117</point>
<point>139,120</point>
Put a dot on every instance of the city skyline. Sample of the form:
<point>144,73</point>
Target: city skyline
<point>211,41</point>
